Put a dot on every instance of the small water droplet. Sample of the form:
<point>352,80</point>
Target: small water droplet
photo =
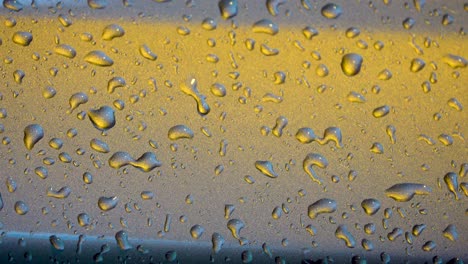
<point>331,11</point>
<point>266,167</point>
<point>371,206</point>
<point>107,203</point>
<point>228,8</point>
<point>197,231</point>
<point>265,26</point>
<point>57,243</point>
<point>179,132</point>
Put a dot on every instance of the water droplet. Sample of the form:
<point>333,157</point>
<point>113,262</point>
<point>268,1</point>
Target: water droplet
<point>331,11</point>
<point>99,145</point>
<point>371,206</point>
<point>209,24</point>
<point>306,135</point>
<point>450,232</point>
<point>445,139</point>
<point>42,172</point>
<point>455,61</point>
<point>267,51</point>
<point>61,193</point>
<point>408,23</point>
<point>76,100</point>
<point>22,38</point>
<point>83,219</point>
<point>343,234</point>
<point>102,118</point>
<point>18,75</point>
<point>314,159</point>
<point>447,19</point>
<point>147,53</point>
<point>367,244</point>
<point>107,203</point>
<point>112,31</point>
<point>385,75</point>
<point>266,167</point>
<point>352,32</point>
<point>146,162</point>
<point>355,97</point>
<point>32,134</point>
<point>65,50</point>
<point>351,64</point>
<point>121,238</point>
<point>451,180</point>
<point>429,246</point>
<point>272,6</point>
<point>97,4</point>
<point>115,83</point>
<point>13,5</point>
<point>321,70</point>
<point>228,8</point>
<point>265,26</point>
<point>179,132</point>
<point>281,123</point>
<point>381,111</point>
<point>455,104</point>
<point>21,208</point>
<point>403,192</point>
<point>377,148</point>
<point>321,206</point>
<point>218,241</point>
<point>394,234</point>
<point>418,229</point>
<point>57,243</point>
<point>417,65</point>
<point>235,226</point>
<point>277,212</point>
<point>49,92</point>
<point>309,32</point>
<point>190,88</point>
<point>391,132</point>
<point>98,58</point>
<point>218,89</point>
<point>197,231</point>
<point>246,256</point>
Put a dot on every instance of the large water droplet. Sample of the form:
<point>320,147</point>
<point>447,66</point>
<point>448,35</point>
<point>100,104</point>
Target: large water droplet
<point>22,38</point>
<point>266,167</point>
<point>112,31</point>
<point>107,203</point>
<point>121,238</point>
<point>265,26</point>
<point>179,132</point>
<point>102,118</point>
<point>331,11</point>
<point>351,64</point>
<point>403,192</point>
<point>228,8</point>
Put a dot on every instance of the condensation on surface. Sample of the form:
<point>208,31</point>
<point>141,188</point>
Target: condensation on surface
<point>233,131</point>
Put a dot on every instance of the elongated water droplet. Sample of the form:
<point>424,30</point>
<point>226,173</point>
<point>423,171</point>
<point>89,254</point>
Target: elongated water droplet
<point>121,238</point>
<point>321,206</point>
<point>331,11</point>
<point>190,88</point>
<point>107,203</point>
<point>22,38</point>
<point>266,167</point>
<point>451,180</point>
<point>65,50</point>
<point>179,132</point>
<point>32,134</point>
<point>281,123</point>
<point>112,31</point>
<point>61,193</point>
<point>305,135</point>
<point>76,100</point>
<point>403,192</point>
<point>314,159</point>
<point>265,26</point>
<point>272,6</point>
<point>57,243</point>
<point>235,226</point>
<point>381,111</point>
<point>99,145</point>
<point>455,61</point>
<point>98,58</point>
<point>342,233</point>
<point>115,83</point>
<point>450,232</point>
<point>217,241</point>
<point>147,53</point>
